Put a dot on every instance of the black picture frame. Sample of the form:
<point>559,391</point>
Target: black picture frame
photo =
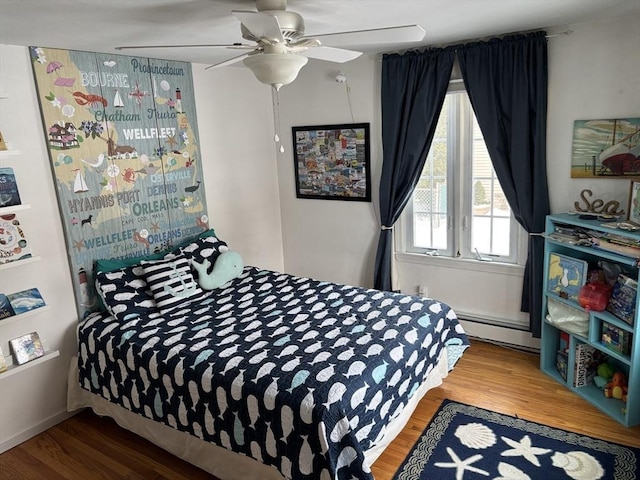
<point>633,208</point>
<point>332,162</point>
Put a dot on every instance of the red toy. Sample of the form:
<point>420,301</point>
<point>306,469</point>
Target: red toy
<point>617,387</point>
<point>594,296</point>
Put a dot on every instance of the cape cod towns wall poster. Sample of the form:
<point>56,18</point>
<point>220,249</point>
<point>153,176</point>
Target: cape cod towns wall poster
<point>122,138</point>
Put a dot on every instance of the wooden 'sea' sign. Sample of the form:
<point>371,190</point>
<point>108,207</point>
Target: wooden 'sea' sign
<point>598,205</point>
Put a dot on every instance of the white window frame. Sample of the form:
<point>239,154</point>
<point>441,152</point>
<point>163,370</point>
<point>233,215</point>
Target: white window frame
<point>459,198</point>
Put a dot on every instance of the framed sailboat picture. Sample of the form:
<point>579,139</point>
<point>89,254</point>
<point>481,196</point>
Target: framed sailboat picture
<point>606,148</point>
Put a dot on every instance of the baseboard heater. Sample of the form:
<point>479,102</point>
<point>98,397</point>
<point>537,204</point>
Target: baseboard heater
<point>511,346</point>
<point>500,323</point>
<point>489,320</point>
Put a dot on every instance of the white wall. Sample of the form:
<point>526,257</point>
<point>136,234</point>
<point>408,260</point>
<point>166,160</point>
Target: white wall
<point>243,205</point>
<point>593,73</point>
<point>239,161</point>
<point>36,397</point>
<point>330,239</point>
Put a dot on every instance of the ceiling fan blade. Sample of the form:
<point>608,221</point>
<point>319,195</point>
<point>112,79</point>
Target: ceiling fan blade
<point>214,45</point>
<point>330,54</point>
<point>403,34</point>
<point>261,25</point>
<point>231,61</point>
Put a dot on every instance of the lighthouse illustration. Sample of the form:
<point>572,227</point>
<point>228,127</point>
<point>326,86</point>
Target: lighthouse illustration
<point>178,100</point>
<point>83,284</point>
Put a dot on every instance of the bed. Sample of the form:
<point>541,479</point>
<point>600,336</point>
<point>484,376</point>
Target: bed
<point>268,376</point>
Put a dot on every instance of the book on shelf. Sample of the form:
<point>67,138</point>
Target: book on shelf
<point>9,195</point>
<point>566,275</point>
<point>562,362</point>
<point>628,250</point>
<point>13,241</point>
<point>616,339</point>
<point>586,363</point>
<point>568,234</point>
<point>26,348</point>
<point>622,302</point>
<point>564,238</point>
<point>26,300</point>
<point>6,310</point>
<point>609,241</point>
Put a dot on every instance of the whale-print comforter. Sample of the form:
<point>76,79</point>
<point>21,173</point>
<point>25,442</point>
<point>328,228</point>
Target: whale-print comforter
<point>299,374</point>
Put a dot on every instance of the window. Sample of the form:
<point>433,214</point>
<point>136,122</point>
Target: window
<point>458,208</point>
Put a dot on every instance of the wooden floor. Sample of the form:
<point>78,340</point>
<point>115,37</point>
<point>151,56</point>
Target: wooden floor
<point>496,378</point>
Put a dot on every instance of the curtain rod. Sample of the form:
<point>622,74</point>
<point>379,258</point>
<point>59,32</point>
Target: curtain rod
<point>564,33</point>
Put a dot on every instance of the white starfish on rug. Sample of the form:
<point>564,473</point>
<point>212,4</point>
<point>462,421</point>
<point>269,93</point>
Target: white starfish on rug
<point>462,465</point>
<point>523,448</point>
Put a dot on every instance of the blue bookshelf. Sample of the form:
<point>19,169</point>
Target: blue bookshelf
<point>627,413</point>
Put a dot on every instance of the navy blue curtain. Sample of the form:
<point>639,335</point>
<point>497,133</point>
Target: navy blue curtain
<point>412,93</point>
<point>507,84</point>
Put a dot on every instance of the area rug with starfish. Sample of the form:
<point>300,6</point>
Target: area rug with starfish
<point>463,442</point>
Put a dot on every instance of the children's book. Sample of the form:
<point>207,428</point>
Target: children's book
<point>6,310</point>
<point>566,276</point>
<point>622,302</point>
<point>26,300</point>
<point>13,241</point>
<point>26,348</point>
<point>9,195</point>
<point>586,363</point>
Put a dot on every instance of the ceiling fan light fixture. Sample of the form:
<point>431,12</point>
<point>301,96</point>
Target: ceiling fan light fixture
<point>276,69</point>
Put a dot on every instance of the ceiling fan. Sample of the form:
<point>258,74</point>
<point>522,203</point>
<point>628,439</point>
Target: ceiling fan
<point>281,48</point>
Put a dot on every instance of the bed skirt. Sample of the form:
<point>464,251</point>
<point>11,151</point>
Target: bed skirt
<point>223,463</point>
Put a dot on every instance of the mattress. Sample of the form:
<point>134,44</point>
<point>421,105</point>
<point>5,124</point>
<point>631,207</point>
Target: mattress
<point>300,375</point>
<point>223,463</point>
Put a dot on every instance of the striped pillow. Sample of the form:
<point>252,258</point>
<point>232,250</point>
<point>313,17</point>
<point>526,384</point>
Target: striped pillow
<point>171,283</point>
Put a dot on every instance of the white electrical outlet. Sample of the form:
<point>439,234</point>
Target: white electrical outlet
<point>423,290</point>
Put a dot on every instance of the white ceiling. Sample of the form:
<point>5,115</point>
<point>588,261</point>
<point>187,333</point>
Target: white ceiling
<point>101,25</point>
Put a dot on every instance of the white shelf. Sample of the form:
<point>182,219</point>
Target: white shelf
<point>24,315</point>
<point>9,153</point>
<point>14,208</point>
<point>11,369</point>
<point>18,263</point>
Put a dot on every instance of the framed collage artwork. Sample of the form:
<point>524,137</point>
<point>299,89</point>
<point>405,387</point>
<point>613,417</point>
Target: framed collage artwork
<point>331,162</point>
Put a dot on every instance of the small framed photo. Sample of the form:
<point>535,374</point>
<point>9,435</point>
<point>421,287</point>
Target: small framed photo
<point>26,348</point>
<point>634,203</point>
